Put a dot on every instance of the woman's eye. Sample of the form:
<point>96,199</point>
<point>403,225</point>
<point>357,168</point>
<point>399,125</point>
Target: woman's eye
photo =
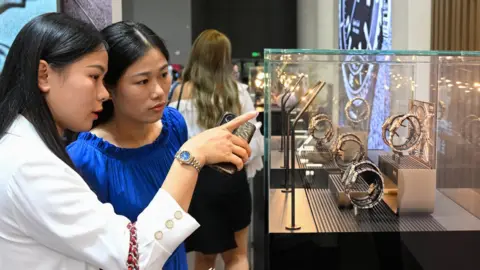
<point>142,82</point>
<point>95,77</point>
<point>165,75</point>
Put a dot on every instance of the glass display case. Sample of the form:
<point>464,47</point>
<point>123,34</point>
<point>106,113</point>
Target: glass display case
<point>256,85</point>
<point>372,141</point>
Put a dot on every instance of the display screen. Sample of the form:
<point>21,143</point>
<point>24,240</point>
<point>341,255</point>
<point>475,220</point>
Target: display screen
<point>366,24</point>
<point>14,14</point>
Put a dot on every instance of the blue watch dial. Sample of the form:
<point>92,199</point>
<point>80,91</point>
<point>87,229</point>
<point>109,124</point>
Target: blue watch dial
<point>184,155</point>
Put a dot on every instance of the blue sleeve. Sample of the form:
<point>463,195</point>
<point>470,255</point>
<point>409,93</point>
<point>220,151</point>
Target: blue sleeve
<point>86,161</point>
<point>178,123</point>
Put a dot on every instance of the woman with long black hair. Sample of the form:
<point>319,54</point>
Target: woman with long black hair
<point>49,217</point>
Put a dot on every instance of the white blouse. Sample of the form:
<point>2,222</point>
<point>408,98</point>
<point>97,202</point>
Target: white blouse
<point>50,219</point>
<point>189,111</point>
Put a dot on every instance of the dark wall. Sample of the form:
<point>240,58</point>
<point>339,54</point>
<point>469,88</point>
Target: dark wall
<point>169,19</point>
<point>251,25</point>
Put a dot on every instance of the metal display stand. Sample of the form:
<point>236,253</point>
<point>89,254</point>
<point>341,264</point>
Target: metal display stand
<point>291,131</point>
<point>285,122</point>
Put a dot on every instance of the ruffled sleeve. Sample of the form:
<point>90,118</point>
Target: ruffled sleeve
<point>257,143</point>
<point>178,124</point>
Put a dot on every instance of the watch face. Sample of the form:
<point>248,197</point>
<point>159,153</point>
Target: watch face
<point>184,155</point>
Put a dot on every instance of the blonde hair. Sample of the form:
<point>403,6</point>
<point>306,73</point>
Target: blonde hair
<point>209,70</point>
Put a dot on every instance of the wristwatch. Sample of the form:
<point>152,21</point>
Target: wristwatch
<point>186,158</point>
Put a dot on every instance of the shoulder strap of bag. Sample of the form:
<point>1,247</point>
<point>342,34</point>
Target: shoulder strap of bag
<point>180,96</point>
<point>170,94</point>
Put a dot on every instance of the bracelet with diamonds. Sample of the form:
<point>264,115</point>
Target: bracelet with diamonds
<point>338,151</point>
<point>313,129</point>
<point>414,132</point>
<point>372,176</point>
<point>362,116</point>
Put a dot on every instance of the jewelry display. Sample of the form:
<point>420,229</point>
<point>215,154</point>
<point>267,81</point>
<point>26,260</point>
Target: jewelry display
<point>360,114</point>
<point>419,111</point>
<point>351,167</point>
<point>425,113</point>
<point>414,133</point>
<point>338,151</point>
<point>321,129</point>
<point>386,127</point>
<point>466,129</point>
<point>390,129</point>
<point>371,175</point>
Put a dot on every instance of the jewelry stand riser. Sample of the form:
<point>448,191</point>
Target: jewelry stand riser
<point>415,184</point>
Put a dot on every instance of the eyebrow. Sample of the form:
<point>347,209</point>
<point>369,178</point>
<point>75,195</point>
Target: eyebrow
<point>146,73</point>
<point>99,67</point>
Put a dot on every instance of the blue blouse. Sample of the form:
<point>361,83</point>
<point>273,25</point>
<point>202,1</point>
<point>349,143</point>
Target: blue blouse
<point>129,178</point>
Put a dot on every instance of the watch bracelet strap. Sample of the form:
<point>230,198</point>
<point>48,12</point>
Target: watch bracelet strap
<point>192,161</point>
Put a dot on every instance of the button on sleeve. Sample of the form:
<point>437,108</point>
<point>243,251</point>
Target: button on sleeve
<point>173,224</point>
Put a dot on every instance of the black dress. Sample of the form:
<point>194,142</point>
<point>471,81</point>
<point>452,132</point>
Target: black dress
<point>222,204</point>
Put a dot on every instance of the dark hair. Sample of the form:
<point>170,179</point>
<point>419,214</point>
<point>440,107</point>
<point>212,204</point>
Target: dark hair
<point>127,41</point>
<point>59,40</point>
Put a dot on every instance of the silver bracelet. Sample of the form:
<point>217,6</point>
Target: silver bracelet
<point>313,127</point>
<point>371,174</point>
<point>386,127</point>
<point>414,136</point>
<point>352,167</point>
<point>338,151</point>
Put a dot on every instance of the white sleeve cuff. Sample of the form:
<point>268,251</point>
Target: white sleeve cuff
<point>165,223</point>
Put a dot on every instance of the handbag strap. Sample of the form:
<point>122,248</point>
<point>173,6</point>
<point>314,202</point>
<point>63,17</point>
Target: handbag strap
<point>179,96</point>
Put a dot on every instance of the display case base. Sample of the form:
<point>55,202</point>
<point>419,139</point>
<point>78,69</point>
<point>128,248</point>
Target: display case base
<point>415,185</point>
<point>329,218</point>
<point>310,160</point>
<point>302,177</point>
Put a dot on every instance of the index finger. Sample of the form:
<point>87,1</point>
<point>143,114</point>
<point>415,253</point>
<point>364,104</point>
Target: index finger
<point>240,120</point>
